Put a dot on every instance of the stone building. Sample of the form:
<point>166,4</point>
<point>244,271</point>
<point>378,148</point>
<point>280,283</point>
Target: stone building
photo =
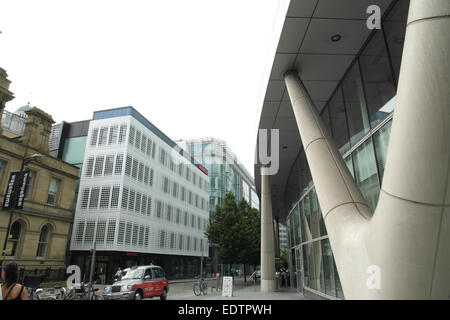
<point>39,232</point>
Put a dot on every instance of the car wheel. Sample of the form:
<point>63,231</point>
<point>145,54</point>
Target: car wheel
<point>163,296</point>
<point>138,295</point>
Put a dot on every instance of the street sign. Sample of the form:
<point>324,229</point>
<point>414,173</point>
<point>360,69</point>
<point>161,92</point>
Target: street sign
<point>227,287</point>
<point>15,190</point>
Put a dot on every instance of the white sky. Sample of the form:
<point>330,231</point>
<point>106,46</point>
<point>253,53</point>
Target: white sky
<point>193,68</point>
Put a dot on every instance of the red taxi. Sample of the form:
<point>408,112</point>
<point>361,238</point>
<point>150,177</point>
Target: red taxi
<point>138,283</point>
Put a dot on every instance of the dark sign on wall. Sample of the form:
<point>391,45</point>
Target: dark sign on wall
<point>15,190</point>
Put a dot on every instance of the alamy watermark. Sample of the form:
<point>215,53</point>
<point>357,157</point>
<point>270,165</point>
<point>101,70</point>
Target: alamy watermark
<point>374,20</point>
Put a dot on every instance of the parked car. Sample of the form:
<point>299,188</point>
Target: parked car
<point>137,283</point>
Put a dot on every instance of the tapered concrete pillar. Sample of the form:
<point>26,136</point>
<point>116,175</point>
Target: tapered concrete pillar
<point>267,236</point>
<point>403,250</point>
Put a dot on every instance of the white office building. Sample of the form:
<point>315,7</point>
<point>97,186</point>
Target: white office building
<point>139,200</point>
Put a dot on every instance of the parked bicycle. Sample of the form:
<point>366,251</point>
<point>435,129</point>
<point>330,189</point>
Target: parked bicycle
<point>35,293</point>
<point>200,287</point>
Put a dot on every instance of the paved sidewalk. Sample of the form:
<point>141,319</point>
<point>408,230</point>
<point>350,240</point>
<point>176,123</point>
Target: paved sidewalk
<point>250,291</point>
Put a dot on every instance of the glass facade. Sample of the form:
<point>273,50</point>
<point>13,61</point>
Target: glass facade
<point>358,116</point>
<point>224,171</point>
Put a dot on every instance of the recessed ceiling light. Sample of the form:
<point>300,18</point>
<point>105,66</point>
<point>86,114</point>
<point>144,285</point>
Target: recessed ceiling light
<point>335,38</point>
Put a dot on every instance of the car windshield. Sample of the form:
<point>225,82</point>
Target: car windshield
<point>133,274</point>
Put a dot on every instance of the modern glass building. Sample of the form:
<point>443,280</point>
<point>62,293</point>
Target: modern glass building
<point>226,173</point>
<point>334,92</point>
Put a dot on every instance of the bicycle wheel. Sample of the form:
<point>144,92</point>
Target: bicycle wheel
<point>204,287</point>
<point>197,289</point>
<point>97,297</point>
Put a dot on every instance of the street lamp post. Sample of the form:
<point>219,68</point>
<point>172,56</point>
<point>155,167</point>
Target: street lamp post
<point>25,161</point>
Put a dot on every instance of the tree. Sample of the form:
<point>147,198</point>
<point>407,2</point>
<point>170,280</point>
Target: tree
<point>236,230</point>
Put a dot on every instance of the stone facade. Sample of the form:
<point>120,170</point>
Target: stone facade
<point>43,206</point>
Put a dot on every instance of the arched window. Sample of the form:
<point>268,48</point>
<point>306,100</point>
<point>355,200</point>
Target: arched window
<point>43,242</point>
<point>13,239</point>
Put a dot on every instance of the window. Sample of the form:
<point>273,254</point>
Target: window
<point>119,164</point>
<point>131,136</point>
<point>134,169</point>
<point>141,236</point>
<point>144,143</point>
<point>138,139</point>
<point>172,240</point>
<point>113,135</point>
<point>98,169</point>
<point>366,174</point>
<point>104,197</point>
<point>101,232</point>
<point>2,168</point>
<point>84,198</point>
<point>89,235</point>
<point>355,104</point>
<point>141,172</point>
<point>149,148</point>
<point>137,208</point>
<point>162,156</point>
<point>178,216</point>
<point>151,177</point>
<point>109,165</point>
<point>14,239</point>
<point>94,137</point>
<point>111,231</point>
<point>144,204</point>
<point>378,78</point>
<point>146,174</point>
<point>180,242</point>
<point>125,198</point>
<point>89,167</point>
<point>394,27</point>
<point>29,184</point>
<point>93,201</point>
<point>128,233</point>
<point>115,196</point>
<point>122,133</point>
<point>79,232</point>
<point>381,142</point>
<point>162,239</point>
<point>53,191</point>
<point>174,189</point>
<point>166,185</point>
<point>169,212</point>
<point>135,234</point>
<point>121,234</point>
<point>339,121</point>
<point>147,233</point>
<point>158,209</point>
<point>131,201</point>
<point>103,136</point>
<point>128,166</point>
<point>149,206</point>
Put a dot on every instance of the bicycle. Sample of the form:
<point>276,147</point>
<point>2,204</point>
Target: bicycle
<point>200,287</point>
<point>88,292</point>
<point>35,293</point>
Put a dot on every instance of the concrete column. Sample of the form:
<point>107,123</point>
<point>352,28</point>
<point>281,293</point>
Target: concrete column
<point>403,251</point>
<point>267,236</point>
<point>409,236</point>
<point>343,207</point>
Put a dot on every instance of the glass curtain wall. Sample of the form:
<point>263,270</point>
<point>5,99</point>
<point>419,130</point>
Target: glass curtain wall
<point>358,116</point>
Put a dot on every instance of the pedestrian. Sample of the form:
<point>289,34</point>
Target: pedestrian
<point>11,290</point>
<point>118,274</point>
<point>283,277</point>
